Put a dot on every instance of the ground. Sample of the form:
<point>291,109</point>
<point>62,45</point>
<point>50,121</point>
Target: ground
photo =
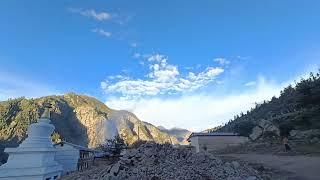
<point>284,167</point>
<point>301,163</point>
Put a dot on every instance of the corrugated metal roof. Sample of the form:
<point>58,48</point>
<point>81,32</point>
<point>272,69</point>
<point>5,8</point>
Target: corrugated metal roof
<point>76,146</point>
<point>212,134</point>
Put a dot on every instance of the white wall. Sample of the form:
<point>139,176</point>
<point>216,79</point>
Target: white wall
<point>67,156</point>
<point>194,142</point>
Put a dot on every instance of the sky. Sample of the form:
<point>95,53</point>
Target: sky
<point>188,64</point>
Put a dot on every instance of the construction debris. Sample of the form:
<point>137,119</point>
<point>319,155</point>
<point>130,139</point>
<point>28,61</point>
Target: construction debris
<point>163,161</point>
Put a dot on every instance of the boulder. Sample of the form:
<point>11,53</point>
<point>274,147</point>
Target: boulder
<point>115,169</point>
<point>235,164</point>
<point>268,126</point>
<point>315,140</point>
<point>264,127</point>
<point>273,128</point>
<point>256,133</point>
<point>264,123</point>
<point>251,178</point>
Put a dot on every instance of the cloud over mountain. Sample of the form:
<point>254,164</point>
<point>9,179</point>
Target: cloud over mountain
<point>162,78</point>
<point>198,111</point>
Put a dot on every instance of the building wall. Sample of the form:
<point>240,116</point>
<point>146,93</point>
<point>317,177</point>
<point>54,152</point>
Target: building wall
<point>68,157</point>
<point>211,143</point>
<point>194,142</point>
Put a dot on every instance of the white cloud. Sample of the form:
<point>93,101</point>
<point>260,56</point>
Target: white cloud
<point>198,111</point>
<point>251,83</point>
<point>222,61</point>
<point>102,32</point>
<point>163,78</point>
<point>99,16</point>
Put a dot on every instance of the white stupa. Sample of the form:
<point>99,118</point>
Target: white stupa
<point>34,159</point>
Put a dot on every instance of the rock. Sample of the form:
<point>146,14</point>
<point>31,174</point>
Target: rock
<point>293,133</point>
<point>235,164</point>
<point>298,134</point>
<point>156,161</point>
<point>264,128</point>
<point>272,128</point>
<point>256,133</point>
<point>115,169</point>
<point>268,126</point>
<point>264,123</point>
<point>251,178</point>
<point>315,140</point>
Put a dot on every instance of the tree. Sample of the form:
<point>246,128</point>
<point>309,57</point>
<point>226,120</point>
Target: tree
<point>244,128</point>
<point>115,145</point>
<point>55,137</point>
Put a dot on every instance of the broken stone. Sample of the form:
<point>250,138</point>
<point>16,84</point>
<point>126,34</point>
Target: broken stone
<point>115,169</point>
<point>315,140</point>
<point>235,164</point>
<point>297,134</point>
<point>256,133</point>
<point>251,178</point>
<point>156,161</point>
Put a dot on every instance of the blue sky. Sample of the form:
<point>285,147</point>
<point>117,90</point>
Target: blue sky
<point>159,57</point>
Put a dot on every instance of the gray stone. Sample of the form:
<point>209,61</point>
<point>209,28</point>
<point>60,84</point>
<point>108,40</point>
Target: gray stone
<point>251,178</point>
<point>264,123</point>
<point>166,162</point>
<point>268,126</point>
<point>256,133</point>
<point>235,164</point>
<point>297,134</point>
<point>315,140</point>
<point>115,169</point>
<point>272,128</point>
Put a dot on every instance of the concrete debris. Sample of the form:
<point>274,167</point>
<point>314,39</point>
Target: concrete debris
<point>163,161</point>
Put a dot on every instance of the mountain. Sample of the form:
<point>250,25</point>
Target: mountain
<point>297,108</point>
<point>181,134</point>
<point>78,119</point>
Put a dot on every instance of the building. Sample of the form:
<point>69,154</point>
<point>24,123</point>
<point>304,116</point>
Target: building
<point>34,159</point>
<point>215,141</point>
<point>74,157</point>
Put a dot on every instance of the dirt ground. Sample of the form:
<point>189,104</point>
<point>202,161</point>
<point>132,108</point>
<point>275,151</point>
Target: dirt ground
<point>285,167</point>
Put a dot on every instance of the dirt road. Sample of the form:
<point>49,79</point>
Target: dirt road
<point>302,167</point>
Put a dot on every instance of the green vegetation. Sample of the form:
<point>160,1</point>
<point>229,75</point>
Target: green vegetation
<point>78,119</point>
<point>115,145</point>
<point>298,107</point>
<point>17,114</point>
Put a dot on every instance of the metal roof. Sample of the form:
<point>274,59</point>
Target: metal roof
<point>212,134</point>
<point>76,146</point>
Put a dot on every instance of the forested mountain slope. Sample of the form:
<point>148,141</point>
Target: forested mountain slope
<point>78,119</point>
<point>297,108</point>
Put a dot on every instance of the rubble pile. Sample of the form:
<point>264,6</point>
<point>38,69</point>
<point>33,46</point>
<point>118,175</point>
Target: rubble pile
<point>156,161</point>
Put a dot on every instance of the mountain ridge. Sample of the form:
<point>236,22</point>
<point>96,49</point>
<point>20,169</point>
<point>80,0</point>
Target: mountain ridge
<point>180,133</point>
<point>79,119</point>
